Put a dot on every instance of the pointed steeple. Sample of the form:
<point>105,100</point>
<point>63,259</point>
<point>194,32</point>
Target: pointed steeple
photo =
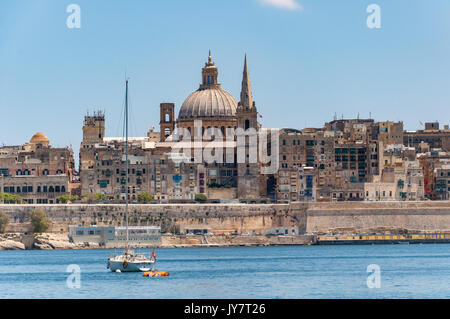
<point>246,92</point>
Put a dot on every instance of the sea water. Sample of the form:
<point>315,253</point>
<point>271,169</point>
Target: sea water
<point>372,271</point>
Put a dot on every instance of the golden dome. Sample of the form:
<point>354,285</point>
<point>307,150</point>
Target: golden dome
<point>39,138</point>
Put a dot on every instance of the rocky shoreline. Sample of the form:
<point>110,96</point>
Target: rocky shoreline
<point>44,241</point>
<point>51,241</point>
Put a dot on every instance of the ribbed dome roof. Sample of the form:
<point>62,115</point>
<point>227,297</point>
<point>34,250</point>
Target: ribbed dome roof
<point>39,138</point>
<point>210,102</point>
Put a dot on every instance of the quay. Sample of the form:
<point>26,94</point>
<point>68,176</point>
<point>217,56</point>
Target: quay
<point>383,239</point>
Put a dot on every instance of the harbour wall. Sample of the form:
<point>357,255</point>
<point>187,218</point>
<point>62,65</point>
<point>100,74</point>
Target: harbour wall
<point>339,217</point>
<point>379,217</point>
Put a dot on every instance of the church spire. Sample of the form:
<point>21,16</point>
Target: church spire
<point>246,92</point>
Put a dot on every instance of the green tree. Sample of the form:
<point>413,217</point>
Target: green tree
<point>10,198</point>
<point>93,198</point>
<point>201,198</point>
<point>4,220</point>
<point>40,221</point>
<point>67,198</point>
<point>100,197</point>
<point>145,197</point>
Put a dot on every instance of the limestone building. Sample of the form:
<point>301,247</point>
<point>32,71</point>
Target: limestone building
<point>35,171</point>
<point>210,115</point>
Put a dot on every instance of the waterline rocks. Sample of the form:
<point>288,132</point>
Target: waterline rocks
<point>8,244</point>
<point>48,241</point>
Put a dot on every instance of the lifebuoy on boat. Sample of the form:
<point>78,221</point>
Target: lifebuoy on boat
<point>125,264</point>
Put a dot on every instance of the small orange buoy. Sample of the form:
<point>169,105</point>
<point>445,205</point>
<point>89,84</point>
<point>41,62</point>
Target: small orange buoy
<point>156,273</point>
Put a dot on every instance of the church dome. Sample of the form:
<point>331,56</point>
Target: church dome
<point>39,138</point>
<point>210,101</point>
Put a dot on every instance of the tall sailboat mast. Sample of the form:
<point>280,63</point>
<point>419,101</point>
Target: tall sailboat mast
<point>129,261</point>
<point>126,159</point>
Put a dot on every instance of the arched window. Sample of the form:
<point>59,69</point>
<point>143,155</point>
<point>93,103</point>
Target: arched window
<point>59,172</point>
<point>167,117</point>
<point>19,172</point>
<point>45,172</point>
<point>247,124</point>
<point>26,172</point>
<point>51,189</point>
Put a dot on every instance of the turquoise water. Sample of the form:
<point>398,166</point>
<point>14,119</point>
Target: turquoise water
<point>406,271</point>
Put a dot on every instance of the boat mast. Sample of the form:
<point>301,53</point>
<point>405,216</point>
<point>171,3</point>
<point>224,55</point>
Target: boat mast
<point>126,159</point>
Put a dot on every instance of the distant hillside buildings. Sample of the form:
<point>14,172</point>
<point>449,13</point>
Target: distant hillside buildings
<point>35,171</point>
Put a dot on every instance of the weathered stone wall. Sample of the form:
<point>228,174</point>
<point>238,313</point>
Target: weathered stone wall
<point>362,217</point>
<point>221,217</point>
<point>226,218</point>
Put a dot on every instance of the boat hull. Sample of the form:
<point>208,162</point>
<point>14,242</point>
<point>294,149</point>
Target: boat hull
<point>131,266</point>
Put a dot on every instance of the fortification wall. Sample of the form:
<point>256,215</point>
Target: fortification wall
<point>360,217</point>
<point>225,218</point>
<point>220,217</point>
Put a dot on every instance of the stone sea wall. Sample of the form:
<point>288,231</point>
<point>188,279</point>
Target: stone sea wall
<point>346,217</point>
<point>223,218</point>
<point>360,217</point>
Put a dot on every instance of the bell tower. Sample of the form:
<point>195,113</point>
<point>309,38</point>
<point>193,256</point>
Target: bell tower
<point>247,120</point>
<point>167,120</point>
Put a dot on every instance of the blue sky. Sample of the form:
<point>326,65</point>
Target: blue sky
<point>308,59</point>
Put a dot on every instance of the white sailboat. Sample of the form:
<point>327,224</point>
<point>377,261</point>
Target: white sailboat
<point>128,261</point>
